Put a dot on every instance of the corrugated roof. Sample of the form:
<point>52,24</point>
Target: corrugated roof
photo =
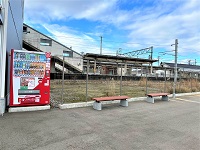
<point>183,66</point>
<point>106,58</point>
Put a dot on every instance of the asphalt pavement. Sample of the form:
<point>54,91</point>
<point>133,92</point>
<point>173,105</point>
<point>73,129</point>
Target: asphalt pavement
<point>173,125</point>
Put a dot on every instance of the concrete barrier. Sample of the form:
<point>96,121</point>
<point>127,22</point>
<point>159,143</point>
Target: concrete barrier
<point>28,108</point>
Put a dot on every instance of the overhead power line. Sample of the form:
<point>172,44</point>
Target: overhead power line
<point>140,52</point>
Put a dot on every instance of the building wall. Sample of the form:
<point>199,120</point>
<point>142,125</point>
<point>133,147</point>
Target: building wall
<point>3,38</point>
<point>15,26</point>
<point>11,38</point>
<point>124,70</point>
<point>34,37</point>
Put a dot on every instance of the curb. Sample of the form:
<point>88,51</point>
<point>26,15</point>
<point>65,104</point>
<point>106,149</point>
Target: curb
<point>75,105</point>
<point>84,104</point>
<point>90,103</point>
<point>31,108</point>
<point>185,94</point>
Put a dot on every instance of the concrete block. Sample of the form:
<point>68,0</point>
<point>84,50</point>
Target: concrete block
<point>150,99</point>
<point>97,105</point>
<point>165,98</point>
<point>75,105</point>
<point>28,108</point>
<point>124,103</point>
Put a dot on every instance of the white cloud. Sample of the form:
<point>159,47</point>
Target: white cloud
<point>80,42</point>
<point>47,10</point>
<point>155,25</point>
<point>181,23</point>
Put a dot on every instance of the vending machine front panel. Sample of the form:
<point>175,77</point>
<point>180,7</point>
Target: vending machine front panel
<point>30,79</point>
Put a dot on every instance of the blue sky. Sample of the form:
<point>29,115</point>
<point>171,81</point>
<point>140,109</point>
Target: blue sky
<point>126,24</point>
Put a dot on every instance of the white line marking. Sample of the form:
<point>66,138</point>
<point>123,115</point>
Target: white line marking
<point>187,100</point>
<point>194,95</point>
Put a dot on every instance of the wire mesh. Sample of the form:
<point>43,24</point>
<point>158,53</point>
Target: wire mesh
<point>84,86</point>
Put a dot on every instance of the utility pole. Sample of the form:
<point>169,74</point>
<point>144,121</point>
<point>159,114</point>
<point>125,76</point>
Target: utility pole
<point>65,54</point>
<point>151,52</point>
<point>151,59</point>
<point>63,77</point>
<point>88,67</point>
<point>121,81</point>
<point>101,46</point>
<point>195,62</point>
<point>175,68</point>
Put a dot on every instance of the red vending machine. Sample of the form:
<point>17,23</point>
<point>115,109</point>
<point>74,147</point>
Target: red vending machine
<point>29,78</point>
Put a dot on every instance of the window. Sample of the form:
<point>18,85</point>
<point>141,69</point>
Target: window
<point>67,53</point>
<point>45,42</point>
<point>1,19</point>
<point>24,29</point>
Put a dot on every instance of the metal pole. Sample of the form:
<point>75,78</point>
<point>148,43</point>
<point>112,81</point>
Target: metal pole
<point>101,46</point>
<point>191,81</point>
<point>125,68</point>
<point>146,81</point>
<point>121,81</point>
<point>95,65</point>
<point>151,52</point>
<point>158,60</point>
<point>63,79</point>
<point>151,59</point>
<point>175,68</point>
<point>196,77</point>
<point>165,81</point>
<point>87,80</point>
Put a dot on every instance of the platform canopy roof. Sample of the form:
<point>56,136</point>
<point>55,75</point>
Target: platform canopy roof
<point>117,59</point>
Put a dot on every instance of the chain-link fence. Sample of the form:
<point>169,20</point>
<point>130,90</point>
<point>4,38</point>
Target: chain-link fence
<point>84,86</point>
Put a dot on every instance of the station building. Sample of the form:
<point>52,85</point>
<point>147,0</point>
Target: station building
<point>11,31</point>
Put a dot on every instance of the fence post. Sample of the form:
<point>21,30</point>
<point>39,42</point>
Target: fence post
<point>63,79</point>
<point>121,81</point>
<point>165,81</point>
<point>191,81</point>
<point>87,80</point>
<point>146,81</point>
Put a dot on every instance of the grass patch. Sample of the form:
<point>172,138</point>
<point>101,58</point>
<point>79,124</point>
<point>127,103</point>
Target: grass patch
<point>75,90</point>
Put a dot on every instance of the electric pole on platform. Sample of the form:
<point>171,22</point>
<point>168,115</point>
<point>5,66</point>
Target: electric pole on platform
<point>101,46</point>
<point>175,68</point>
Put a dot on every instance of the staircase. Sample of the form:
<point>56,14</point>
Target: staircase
<point>57,60</point>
